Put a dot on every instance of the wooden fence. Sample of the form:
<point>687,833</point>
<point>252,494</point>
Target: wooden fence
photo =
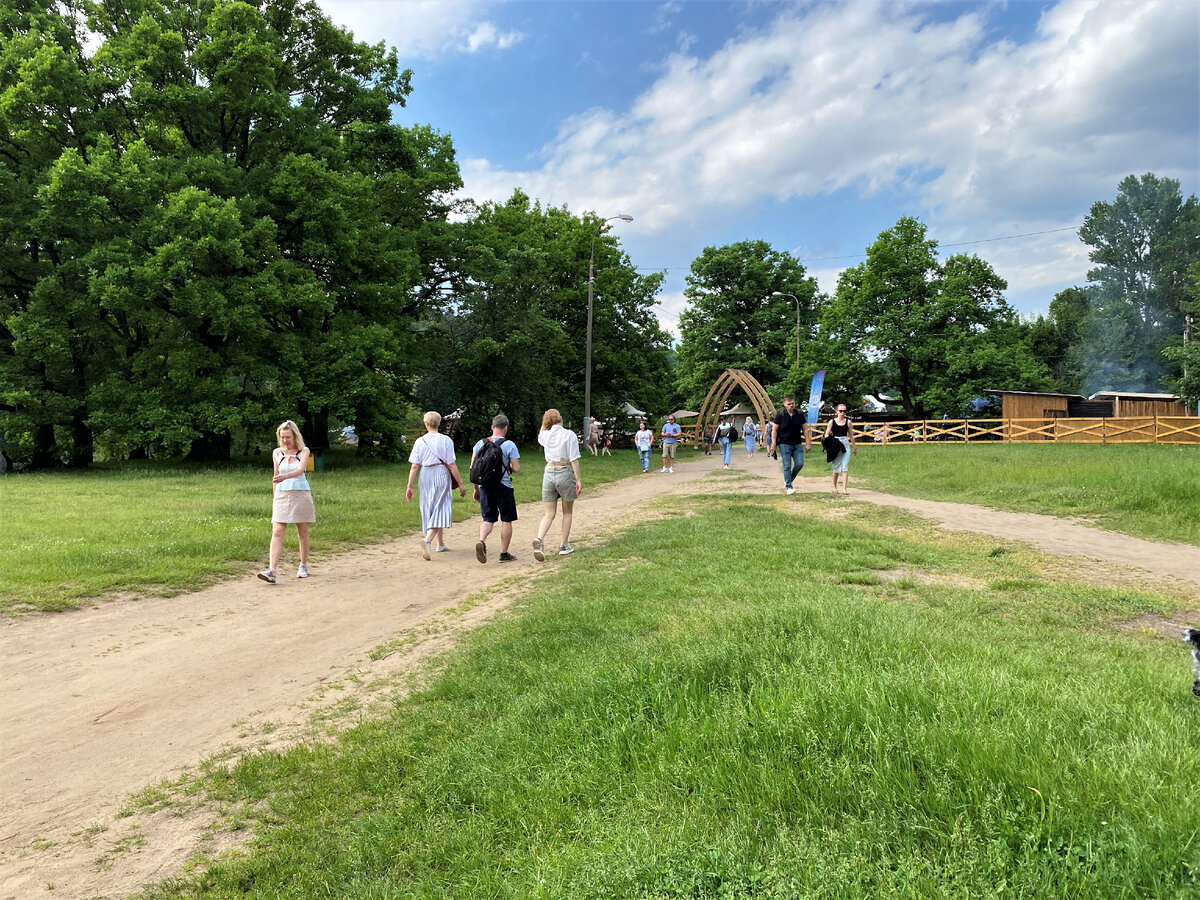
<point>1127,430</point>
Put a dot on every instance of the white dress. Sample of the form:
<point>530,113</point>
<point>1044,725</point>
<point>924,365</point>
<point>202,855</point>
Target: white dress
<point>429,452</point>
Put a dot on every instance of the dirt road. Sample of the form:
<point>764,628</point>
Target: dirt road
<point>101,703</point>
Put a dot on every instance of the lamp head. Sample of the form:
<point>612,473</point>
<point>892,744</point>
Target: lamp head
<point>624,217</point>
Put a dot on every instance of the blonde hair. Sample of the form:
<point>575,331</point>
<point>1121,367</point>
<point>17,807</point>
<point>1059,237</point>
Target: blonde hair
<point>551,418</point>
<point>295,429</point>
<point>433,420</point>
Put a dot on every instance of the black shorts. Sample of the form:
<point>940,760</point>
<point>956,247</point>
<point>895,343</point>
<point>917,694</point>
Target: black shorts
<point>497,503</point>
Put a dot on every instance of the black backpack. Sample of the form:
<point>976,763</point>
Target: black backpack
<point>488,467</point>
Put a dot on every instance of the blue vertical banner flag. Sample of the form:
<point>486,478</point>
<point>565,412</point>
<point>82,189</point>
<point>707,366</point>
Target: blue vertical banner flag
<point>814,396</point>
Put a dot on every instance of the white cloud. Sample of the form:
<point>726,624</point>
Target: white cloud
<point>421,29</point>
<point>985,136</point>
<point>488,35</point>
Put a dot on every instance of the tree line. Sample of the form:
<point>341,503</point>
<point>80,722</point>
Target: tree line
<point>935,334</point>
<point>209,222</point>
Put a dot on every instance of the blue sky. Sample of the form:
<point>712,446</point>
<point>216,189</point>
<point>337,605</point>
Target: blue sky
<point>813,126</point>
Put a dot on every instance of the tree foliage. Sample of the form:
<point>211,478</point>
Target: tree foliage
<point>935,334</point>
<point>210,223</point>
<point>514,334</point>
<point>1144,243</point>
<point>735,320</point>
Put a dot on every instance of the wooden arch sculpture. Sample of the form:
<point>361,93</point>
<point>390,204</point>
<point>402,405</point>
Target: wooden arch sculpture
<point>730,380</point>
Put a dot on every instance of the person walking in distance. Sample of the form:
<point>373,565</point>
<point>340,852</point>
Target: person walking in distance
<point>791,436</point>
<point>643,440</point>
<point>593,436</point>
<point>292,500</point>
<point>726,435</point>
<point>560,481</point>
<point>494,489</point>
<point>670,438</point>
<point>750,433</point>
<point>842,429</point>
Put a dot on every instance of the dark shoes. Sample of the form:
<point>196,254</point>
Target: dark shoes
<point>507,557</point>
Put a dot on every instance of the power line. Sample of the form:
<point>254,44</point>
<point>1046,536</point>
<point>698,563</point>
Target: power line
<point>811,259</point>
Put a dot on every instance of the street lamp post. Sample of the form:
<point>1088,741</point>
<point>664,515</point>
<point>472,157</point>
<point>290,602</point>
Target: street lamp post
<point>587,366</point>
<point>797,299</point>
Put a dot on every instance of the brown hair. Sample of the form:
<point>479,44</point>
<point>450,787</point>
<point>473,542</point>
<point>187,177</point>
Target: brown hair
<point>551,418</point>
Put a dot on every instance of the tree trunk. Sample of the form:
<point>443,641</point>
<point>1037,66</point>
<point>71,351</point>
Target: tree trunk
<point>316,425</point>
<point>45,451</point>
<point>210,447</point>
<point>82,449</point>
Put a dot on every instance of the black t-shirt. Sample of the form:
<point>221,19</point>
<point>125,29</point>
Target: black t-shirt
<point>790,428</point>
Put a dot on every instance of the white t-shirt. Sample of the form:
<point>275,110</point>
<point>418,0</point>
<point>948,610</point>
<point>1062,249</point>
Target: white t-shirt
<point>560,445</point>
<point>643,439</point>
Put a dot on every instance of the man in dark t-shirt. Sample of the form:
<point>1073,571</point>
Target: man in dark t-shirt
<point>792,436</point>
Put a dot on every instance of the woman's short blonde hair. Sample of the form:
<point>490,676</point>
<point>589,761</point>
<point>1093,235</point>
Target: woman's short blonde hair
<point>289,425</point>
<point>551,418</point>
<point>433,420</point>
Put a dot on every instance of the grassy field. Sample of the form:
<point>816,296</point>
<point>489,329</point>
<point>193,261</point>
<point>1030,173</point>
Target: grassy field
<point>821,711</point>
<point>1148,490</point>
<point>163,528</point>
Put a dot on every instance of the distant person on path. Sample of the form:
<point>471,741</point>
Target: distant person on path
<point>292,502</point>
<point>791,437</point>
<point>670,437</point>
<point>643,440</point>
<point>433,456</point>
<point>593,436</point>
<point>768,431</point>
<point>842,429</point>
<point>496,498</point>
<point>750,433</point>
<point>560,481</point>
<point>726,435</point>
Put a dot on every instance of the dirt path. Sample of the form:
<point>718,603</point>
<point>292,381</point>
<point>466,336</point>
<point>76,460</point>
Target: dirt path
<point>101,703</point>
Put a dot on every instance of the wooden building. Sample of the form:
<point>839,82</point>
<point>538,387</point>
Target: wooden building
<point>1127,404</point>
<point>1034,405</point>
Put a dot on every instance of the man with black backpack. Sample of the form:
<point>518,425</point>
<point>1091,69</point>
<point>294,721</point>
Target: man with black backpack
<point>493,463</point>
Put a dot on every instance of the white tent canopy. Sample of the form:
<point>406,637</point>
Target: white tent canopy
<point>631,410</point>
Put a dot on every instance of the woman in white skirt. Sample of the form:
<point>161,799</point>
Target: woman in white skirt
<point>433,456</point>
<point>292,504</point>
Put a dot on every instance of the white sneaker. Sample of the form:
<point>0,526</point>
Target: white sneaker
<point>671,471</point>
<point>426,553</point>
<point>267,575</point>
<point>302,572</point>
<point>664,468</point>
<point>539,550</point>
<point>565,550</point>
<point>791,491</point>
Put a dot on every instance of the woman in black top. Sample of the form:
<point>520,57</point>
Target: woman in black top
<point>842,429</point>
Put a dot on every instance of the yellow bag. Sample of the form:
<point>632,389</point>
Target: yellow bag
<point>310,464</point>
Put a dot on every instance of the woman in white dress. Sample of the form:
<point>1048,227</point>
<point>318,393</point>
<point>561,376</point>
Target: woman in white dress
<point>433,456</point>
<point>291,498</point>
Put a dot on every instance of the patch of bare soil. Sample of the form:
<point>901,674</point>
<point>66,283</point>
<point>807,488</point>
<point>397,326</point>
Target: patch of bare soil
<point>100,704</point>
<point>1172,627</point>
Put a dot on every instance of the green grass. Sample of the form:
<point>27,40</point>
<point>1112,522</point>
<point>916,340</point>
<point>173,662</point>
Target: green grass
<point>164,528</point>
<point>693,715</point>
<point>1148,490</point>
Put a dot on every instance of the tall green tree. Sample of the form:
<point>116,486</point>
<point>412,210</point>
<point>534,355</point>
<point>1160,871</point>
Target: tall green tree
<point>1143,242</point>
<point>513,337</point>
<point>1053,339</point>
<point>735,320</point>
<point>936,334</point>
<point>241,223</point>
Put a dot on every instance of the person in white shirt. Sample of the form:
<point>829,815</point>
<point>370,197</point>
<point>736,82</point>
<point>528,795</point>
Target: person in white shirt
<point>560,480</point>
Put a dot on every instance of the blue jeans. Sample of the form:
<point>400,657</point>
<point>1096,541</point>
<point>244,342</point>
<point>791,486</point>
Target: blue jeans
<point>726,447</point>
<point>644,456</point>
<point>792,457</point>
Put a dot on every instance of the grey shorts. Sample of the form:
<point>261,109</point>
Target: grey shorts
<point>558,481</point>
<point>669,451</point>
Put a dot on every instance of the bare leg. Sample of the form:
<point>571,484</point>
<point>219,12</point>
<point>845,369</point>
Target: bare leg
<point>568,507</point>
<point>437,535</point>
<point>485,528</point>
<point>302,532</point>
<point>549,510</point>
<point>505,536</point>
<point>277,531</point>
<point>845,482</point>
<point>835,475</point>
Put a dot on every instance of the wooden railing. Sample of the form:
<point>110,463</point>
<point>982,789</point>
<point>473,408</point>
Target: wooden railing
<point>1125,430</point>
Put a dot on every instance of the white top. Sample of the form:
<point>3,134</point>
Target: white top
<point>432,450</point>
<point>560,445</point>
<point>643,438</point>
